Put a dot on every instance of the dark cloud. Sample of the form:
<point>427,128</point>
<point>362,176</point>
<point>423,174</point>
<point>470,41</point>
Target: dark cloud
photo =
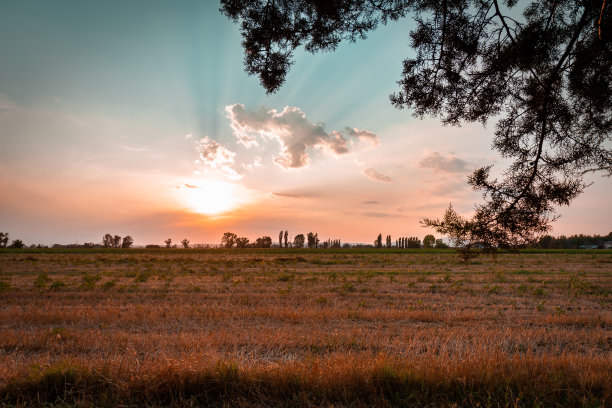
<point>297,194</point>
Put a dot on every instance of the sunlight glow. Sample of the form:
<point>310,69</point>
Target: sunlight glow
<point>210,197</point>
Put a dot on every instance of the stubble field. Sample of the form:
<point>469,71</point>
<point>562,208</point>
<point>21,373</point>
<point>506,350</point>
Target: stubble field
<point>304,328</point>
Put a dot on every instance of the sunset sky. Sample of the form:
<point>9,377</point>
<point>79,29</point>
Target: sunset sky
<point>138,118</point>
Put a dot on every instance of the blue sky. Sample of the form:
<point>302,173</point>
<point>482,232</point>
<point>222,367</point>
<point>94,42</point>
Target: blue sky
<point>107,107</point>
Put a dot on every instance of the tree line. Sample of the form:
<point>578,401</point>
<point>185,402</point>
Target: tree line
<point>429,241</point>
<point>4,239</point>
<point>312,241</point>
<point>575,241</point>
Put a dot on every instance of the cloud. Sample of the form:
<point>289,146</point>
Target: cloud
<point>216,156</point>
<point>190,186</point>
<point>363,135</point>
<point>369,202</point>
<point>134,149</point>
<point>375,215</point>
<point>446,187</point>
<point>295,134</point>
<point>298,194</point>
<point>288,195</point>
<point>257,162</point>
<point>75,120</point>
<point>445,164</point>
<point>376,175</point>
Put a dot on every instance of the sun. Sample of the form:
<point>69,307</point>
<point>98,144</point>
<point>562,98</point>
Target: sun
<point>211,197</point>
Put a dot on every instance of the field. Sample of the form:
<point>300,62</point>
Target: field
<point>304,328</point>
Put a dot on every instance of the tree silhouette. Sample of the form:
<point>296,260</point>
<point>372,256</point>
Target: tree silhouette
<point>298,241</point>
<point>440,244</point>
<point>546,78</point>
<point>429,241</point>
<point>127,242</point>
<point>185,243</point>
<point>280,239</point>
<point>388,241</point>
<point>286,239</point>
<point>263,242</point>
<point>116,241</point>
<point>413,242</point>
<point>107,241</point>
<point>313,240</point>
<point>229,239</point>
<point>378,241</point>
<point>4,237</point>
<point>242,242</point>
<point>168,243</point>
<point>17,243</point>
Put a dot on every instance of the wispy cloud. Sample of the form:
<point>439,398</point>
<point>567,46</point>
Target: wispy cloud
<point>215,156</point>
<point>448,186</point>
<point>288,195</point>
<point>75,120</point>
<point>376,214</point>
<point>376,175</point>
<point>297,194</point>
<point>134,148</point>
<point>295,134</point>
<point>446,164</point>
<point>369,202</point>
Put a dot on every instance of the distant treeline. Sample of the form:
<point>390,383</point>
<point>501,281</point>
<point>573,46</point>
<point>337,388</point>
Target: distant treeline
<point>311,240</point>
<point>575,242</point>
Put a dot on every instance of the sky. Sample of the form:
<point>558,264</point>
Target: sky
<point>137,118</point>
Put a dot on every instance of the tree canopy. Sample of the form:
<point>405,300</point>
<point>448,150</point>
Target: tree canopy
<point>542,69</point>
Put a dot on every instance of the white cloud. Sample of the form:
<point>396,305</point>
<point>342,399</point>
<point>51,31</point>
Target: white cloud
<point>257,162</point>
<point>376,175</point>
<point>134,148</point>
<point>363,135</point>
<point>446,164</point>
<point>295,134</point>
<point>216,156</point>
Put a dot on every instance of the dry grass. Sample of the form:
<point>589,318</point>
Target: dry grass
<point>298,328</point>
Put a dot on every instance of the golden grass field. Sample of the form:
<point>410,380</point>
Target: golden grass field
<point>304,328</point>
